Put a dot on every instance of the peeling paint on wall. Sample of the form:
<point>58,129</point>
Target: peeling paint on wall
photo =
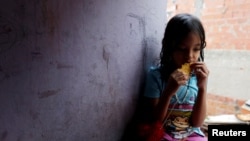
<point>47,93</point>
<point>9,35</point>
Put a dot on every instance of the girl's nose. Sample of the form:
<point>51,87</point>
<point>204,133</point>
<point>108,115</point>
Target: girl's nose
<point>188,54</point>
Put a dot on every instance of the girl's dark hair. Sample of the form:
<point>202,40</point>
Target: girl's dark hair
<point>176,30</point>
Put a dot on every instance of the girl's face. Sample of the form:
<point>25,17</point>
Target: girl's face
<point>188,51</point>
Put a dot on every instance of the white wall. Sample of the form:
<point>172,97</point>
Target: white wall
<point>72,70</point>
<point>229,73</point>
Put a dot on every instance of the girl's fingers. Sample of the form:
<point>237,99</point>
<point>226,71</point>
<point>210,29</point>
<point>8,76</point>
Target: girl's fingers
<point>200,68</point>
<point>180,78</point>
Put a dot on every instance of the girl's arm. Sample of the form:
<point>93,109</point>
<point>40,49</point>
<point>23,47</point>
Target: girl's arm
<point>163,104</point>
<point>199,109</point>
<point>158,107</point>
<point>200,106</point>
<point>175,80</point>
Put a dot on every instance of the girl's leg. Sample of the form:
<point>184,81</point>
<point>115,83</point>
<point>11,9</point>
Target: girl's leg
<point>168,137</point>
<point>196,137</point>
<point>193,137</point>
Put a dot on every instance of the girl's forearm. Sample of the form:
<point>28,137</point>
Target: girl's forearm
<point>162,108</point>
<point>199,109</point>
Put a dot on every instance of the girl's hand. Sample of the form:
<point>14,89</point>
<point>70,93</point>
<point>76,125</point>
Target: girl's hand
<point>201,71</point>
<point>177,78</point>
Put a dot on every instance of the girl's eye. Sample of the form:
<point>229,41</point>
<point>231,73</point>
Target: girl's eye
<point>197,49</point>
<point>185,49</point>
<point>180,48</point>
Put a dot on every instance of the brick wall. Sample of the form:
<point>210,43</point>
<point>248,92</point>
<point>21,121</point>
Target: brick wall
<point>227,22</point>
<point>223,105</point>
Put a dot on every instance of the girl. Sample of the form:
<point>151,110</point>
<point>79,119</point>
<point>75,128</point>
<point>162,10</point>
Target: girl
<point>173,98</point>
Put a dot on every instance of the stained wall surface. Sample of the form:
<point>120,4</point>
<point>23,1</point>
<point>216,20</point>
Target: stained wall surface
<point>73,70</point>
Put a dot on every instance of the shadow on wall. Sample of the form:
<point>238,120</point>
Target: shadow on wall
<point>131,130</point>
<point>151,54</point>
